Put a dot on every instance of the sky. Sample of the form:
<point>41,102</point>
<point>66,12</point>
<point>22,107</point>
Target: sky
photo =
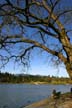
<point>43,68</point>
<point>38,68</point>
<point>39,64</point>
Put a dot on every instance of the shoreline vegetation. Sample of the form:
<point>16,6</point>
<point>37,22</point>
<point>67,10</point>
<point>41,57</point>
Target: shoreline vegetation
<point>64,101</point>
<point>32,79</point>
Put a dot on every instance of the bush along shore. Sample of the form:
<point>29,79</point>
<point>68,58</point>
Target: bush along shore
<point>33,79</point>
<point>57,100</point>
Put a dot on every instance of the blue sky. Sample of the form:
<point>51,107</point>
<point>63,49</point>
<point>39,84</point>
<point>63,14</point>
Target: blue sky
<point>38,66</point>
<point>43,68</point>
<point>39,63</point>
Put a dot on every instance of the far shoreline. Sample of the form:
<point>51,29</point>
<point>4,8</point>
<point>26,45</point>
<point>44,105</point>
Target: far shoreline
<point>33,79</point>
<point>36,83</point>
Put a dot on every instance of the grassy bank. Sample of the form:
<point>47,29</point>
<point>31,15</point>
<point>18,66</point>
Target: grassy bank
<point>64,101</point>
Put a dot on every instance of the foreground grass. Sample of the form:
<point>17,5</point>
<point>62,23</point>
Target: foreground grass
<point>64,101</point>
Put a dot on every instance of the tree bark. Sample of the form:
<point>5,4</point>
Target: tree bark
<point>69,69</point>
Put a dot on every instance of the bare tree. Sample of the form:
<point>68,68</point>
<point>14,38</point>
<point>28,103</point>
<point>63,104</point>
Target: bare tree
<point>50,22</point>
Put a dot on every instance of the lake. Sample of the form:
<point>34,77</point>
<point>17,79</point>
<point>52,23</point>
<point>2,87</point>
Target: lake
<point>19,95</point>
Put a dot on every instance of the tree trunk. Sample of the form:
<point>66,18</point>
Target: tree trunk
<point>69,69</point>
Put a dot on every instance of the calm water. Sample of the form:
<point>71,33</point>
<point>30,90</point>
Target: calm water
<point>18,95</point>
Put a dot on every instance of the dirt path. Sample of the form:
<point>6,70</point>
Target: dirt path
<point>65,101</point>
<point>67,104</point>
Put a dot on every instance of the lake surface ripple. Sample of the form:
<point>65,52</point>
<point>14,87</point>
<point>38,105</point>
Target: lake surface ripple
<point>18,95</point>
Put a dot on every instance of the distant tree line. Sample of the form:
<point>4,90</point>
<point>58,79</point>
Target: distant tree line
<point>25,78</point>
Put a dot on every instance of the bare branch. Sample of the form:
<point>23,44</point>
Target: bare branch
<point>34,17</point>
<point>53,16</point>
<point>37,44</point>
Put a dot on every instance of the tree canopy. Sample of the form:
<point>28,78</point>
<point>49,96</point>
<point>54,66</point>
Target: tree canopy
<point>48,23</point>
